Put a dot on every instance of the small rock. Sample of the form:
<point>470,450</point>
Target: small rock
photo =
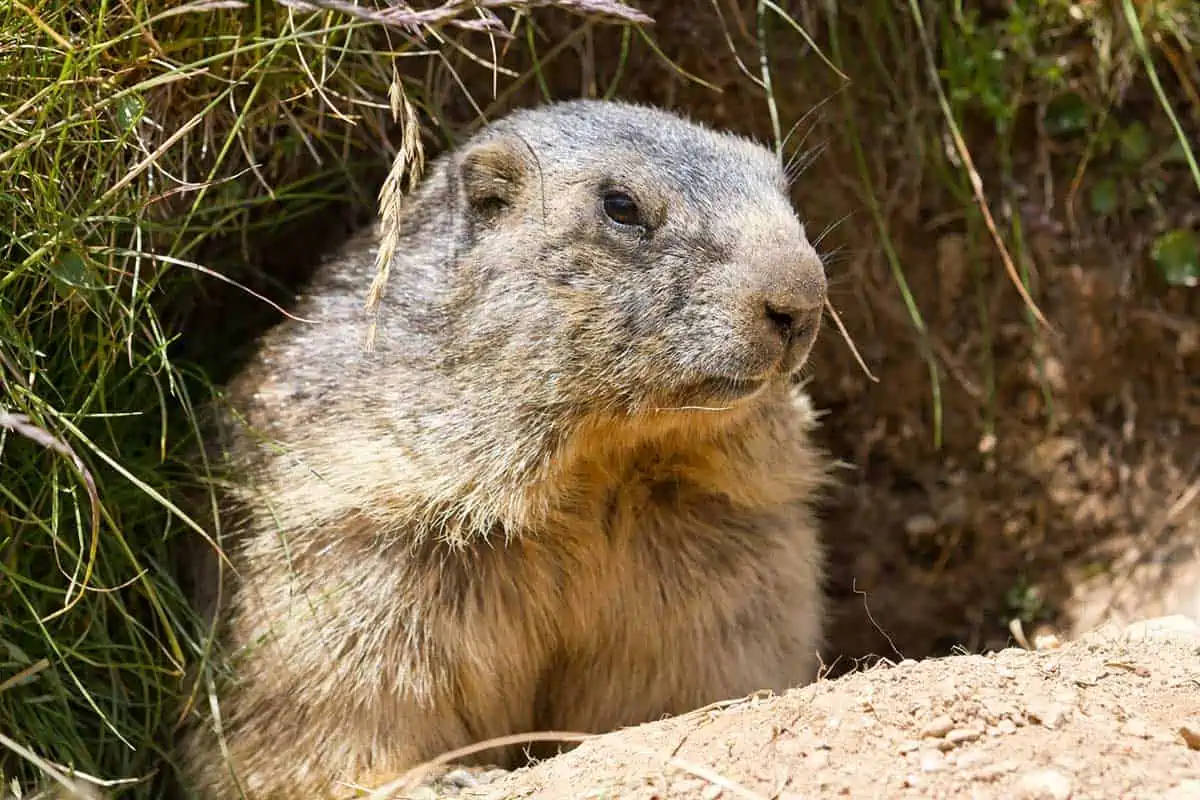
<point>995,709</point>
<point>960,735</point>
<point>1188,790</point>
<point>1190,731</point>
<point>920,525</point>
<point>1043,784</point>
<point>712,792</point>
<point>1049,715</point>
<point>948,689</point>
<point>460,778</point>
<point>912,781</point>
<point>906,663</point>
<point>1046,638</point>
<point>1178,627</point>
<point>933,761</point>
<point>955,512</point>
<point>908,747</point>
<point>937,727</point>
<point>1188,342</point>
<point>995,771</point>
<point>1136,727</point>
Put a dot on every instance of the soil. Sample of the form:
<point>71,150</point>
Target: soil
<point>1113,714</point>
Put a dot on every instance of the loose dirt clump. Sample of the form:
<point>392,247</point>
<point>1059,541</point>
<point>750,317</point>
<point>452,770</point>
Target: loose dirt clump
<point>1113,714</point>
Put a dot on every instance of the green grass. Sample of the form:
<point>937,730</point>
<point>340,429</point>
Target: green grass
<point>147,148</point>
<point>119,130</point>
<point>960,89</point>
<point>152,151</point>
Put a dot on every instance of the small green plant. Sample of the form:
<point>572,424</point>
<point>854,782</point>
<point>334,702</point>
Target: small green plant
<point>1177,254</point>
<point>1024,601</point>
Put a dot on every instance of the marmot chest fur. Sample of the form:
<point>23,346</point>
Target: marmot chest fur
<point>569,488</point>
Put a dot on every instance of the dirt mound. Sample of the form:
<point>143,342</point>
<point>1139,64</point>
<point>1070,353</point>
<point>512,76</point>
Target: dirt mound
<point>1115,713</point>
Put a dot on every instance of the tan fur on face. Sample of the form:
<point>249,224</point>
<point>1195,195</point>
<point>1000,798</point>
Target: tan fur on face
<point>506,520</point>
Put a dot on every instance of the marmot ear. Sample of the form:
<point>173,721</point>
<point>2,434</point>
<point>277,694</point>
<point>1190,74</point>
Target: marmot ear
<point>493,172</point>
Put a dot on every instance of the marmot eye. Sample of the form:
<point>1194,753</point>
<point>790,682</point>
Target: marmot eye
<point>621,209</point>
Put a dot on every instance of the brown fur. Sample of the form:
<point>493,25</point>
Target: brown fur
<point>543,502</point>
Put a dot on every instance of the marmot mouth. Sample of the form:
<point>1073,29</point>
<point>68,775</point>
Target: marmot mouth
<point>722,389</point>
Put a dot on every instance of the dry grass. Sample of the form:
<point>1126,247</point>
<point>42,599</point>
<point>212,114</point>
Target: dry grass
<point>148,149</point>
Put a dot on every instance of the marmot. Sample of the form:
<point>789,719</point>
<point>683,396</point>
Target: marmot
<point>570,488</point>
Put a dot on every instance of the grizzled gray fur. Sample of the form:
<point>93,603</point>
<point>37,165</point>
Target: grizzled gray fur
<point>571,486</point>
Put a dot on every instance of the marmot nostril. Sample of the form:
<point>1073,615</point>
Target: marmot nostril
<point>791,321</point>
<point>782,318</point>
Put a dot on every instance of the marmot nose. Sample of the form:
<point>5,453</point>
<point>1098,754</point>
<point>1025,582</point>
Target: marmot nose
<point>784,293</point>
<point>791,320</point>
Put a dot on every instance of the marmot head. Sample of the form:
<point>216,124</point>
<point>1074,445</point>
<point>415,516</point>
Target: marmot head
<point>617,258</point>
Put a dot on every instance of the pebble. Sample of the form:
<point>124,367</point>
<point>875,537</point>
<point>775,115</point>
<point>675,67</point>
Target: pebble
<point>1049,715</point>
<point>1046,639</point>
<point>960,735</point>
<point>920,525</point>
<point>993,772</point>
<point>1043,784</point>
<point>1178,628</point>
<point>955,512</point>
<point>933,761</point>
<point>1136,727</point>
<point>1188,790</point>
<point>1190,731</point>
<point>995,709</point>
<point>460,778</point>
<point>937,727</point>
<point>712,792</point>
